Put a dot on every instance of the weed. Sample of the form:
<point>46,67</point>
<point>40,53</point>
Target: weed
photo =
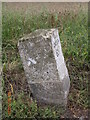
<point>74,40</point>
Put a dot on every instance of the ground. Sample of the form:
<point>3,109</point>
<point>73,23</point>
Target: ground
<point>73,34</point>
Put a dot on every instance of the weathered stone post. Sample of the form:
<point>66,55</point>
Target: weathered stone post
<point>44,66</point>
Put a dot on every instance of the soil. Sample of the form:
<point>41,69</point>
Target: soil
<point>51,7</point>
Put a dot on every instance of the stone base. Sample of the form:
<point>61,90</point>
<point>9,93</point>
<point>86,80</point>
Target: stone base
<point>51,95</point>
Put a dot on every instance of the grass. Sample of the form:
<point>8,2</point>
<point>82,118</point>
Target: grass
<point>73,31</point>
<point>27,109</point>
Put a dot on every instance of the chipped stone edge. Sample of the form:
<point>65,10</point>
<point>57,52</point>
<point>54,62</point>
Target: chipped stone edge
<point>44,36</point>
